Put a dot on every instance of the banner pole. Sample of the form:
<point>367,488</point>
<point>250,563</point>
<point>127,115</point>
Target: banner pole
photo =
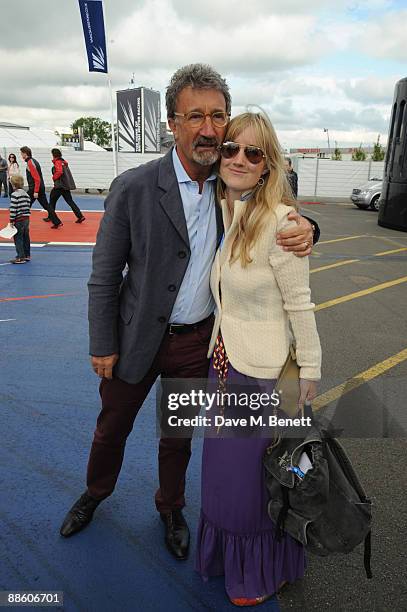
<point>109,85</point>
<point>113,127</point>
<point>97,43</point>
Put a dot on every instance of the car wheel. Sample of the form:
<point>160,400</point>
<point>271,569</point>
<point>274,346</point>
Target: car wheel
<point>362,206</point>
<point>374,204</point>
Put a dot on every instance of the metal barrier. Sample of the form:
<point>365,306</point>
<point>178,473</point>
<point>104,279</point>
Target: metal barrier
<point>317,178</point>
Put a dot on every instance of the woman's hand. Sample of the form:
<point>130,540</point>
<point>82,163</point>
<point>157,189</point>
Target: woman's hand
<point>308,391</point>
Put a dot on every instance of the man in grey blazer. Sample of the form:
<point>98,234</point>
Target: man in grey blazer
<point>161,220</point>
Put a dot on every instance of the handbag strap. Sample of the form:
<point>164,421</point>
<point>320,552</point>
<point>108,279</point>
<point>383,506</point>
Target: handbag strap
<point>282,515</point>
<point>367,555</point>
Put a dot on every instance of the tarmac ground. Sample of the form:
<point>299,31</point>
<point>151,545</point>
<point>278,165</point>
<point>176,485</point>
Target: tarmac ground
<point>49,404</point>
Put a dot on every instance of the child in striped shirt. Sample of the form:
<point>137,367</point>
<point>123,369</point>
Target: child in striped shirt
<point>20,218</point>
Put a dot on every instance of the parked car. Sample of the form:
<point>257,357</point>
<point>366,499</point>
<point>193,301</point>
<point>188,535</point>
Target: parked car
<point>368,194</point>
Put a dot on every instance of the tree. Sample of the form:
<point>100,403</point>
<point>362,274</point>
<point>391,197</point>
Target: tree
<point>94,129</point>
<point>358,154</point>
<point>337,155</point>
<point>378,151</point>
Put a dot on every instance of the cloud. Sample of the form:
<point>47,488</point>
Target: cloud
<point>42,24</point>
<point>369,118</point>
<point>371,90</point>
<point>38,117</point>
<point>301,113</point>
<point>256,45</point>
<point>82,98</point>
<point>273,53</point>
<point>370,5</point>
<point>234,12</point>
<point>386,38</point>
<point>316,138</point>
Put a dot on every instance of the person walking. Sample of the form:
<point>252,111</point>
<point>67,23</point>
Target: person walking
<point>20,211</point>
<point>161,221</point>
<point>292,176</point>
<point>3,176</point>
<point>36,186</point>
<point>63,184</point>
<point>13,170</point>
<point>260,291</point>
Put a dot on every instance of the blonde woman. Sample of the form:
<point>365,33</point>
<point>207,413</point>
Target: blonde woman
<point>261,291</point>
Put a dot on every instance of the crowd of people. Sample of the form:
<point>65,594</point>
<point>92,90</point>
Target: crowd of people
<point>13,182</point>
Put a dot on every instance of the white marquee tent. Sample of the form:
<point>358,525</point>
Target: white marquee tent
<point>14,136</point>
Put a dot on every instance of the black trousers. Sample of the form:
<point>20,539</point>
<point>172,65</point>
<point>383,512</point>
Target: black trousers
<point>3,182</point>
<point>56,193</point>
<point>42,199</point>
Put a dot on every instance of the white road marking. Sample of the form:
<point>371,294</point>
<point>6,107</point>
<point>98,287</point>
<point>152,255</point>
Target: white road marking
<point>5,320</point>
<point>33,244</point>
<point>71,243</point>
<point>98,210</point>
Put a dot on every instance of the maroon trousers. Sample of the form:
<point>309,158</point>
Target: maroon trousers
<point>179,356</point>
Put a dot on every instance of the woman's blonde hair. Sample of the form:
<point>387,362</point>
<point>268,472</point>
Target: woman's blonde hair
<point>265,197</point>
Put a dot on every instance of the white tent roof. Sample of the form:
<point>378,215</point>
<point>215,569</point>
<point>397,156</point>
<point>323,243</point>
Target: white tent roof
<point>88,145</point>
<point>16,136</point>
<point>12,135</point>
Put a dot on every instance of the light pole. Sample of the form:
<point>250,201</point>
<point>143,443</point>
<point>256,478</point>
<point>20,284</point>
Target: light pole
<point>327,135</point>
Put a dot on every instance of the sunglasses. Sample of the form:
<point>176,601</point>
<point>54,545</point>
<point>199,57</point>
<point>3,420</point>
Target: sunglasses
<point>229,150</point>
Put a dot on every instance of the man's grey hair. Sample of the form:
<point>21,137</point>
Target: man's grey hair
<point>198,76</point>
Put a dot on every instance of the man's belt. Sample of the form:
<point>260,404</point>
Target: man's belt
<point>185,328</point>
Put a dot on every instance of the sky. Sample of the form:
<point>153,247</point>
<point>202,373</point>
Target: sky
<point>310,64</point>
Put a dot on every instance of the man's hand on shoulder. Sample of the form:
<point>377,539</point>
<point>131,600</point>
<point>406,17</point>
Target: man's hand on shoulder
<point>103,366</point>
<point>298,239</point>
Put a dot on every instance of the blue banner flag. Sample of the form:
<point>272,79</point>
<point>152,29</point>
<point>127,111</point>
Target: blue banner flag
<point>94,32</point>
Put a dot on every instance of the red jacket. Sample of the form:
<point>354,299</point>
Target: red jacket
<point>58,169</point>
<point>34,175</point>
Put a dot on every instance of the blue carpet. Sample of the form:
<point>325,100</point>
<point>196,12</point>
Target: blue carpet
<point>49,403</point>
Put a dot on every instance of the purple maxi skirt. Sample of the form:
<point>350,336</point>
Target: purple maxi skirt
<point>236,537</point>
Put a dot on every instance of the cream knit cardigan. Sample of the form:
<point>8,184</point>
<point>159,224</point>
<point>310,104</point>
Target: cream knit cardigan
<point>261,302</point>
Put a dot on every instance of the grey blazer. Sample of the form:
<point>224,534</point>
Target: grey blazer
<point>144,226</point>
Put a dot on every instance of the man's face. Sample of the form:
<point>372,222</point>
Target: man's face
<point>198,146</point>
<point>287,166</point>
<point>23,156</point>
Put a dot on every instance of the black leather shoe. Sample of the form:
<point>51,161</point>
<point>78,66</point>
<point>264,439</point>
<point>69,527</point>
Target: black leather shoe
<point>79,515</point>
<point>176,533</point>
